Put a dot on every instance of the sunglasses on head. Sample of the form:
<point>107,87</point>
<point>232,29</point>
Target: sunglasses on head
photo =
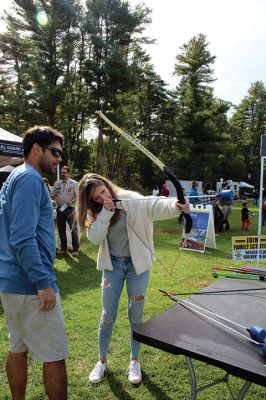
<point>54,151</point>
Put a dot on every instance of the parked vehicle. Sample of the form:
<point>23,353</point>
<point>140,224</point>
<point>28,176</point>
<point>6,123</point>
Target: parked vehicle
<point>185,184</point>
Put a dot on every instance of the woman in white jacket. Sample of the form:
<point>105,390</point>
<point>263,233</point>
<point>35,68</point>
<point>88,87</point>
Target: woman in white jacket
<point>124,231</point>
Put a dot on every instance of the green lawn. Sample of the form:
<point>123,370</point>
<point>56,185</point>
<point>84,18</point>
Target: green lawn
<point>165,377</point>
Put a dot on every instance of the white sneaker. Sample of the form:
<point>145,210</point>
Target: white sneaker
<point>134,372</point>
<point>98,372</point>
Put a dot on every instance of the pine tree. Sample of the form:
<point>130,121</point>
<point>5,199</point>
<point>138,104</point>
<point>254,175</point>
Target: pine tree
<point>111,25</point>
<point>199,113</point>
<point>248,124</point>
<point>46,43</point>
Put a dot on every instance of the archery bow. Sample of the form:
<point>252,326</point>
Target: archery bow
<point>167,170</point>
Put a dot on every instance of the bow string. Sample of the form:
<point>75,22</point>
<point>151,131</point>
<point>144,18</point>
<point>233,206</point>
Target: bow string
<point>166,169</point>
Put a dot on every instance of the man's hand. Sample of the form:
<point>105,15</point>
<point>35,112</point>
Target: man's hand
<point>47,298</point>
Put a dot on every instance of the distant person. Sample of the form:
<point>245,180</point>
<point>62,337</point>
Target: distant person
<point>255,196</point>
<point>219,220</point>
<point>155,191</point>
<point>122,257</point>
<point>227,197</point>
<point>242,194</point>
<point>193,195</point>
<point>47,184</point>
<point>28,289</point>
<point>65,193</point>
<point>263,213</point>
<point>208,197</point>
<point>164,190</point>
<point>245,216</point>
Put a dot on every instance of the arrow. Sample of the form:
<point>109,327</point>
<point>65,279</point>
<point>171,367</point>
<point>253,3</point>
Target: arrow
<point>236,276</point>
<point>214,292</point>
<point>257,334</point>
<point>242,271</point>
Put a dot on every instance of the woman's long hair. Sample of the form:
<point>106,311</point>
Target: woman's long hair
<point>206,188</point>
<point>88,209</point>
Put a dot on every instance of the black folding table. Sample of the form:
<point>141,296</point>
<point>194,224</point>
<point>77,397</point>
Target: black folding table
<point>182,331</point>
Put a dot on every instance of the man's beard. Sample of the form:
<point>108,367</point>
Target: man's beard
<point>45,168</point>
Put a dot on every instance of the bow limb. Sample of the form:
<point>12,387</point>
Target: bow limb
<point>139,146</point>
<point>180,195</point>
<point>167,170</point>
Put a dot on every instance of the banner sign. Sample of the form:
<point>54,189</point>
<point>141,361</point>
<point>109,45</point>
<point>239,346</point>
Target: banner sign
<point>196,239</point>
<point>245,248</point>
<point>11,149</point>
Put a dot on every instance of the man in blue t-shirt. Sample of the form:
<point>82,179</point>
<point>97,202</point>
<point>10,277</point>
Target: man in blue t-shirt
<point>193,195</point>
<point>28,289</point>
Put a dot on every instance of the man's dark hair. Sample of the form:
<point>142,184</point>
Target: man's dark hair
<point>66,167</point>
<point>43,135</point>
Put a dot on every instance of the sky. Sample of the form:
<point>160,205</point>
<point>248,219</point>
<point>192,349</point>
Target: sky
<point>235,31</point>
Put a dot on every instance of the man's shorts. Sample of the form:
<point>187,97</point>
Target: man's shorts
<point>42,333</point>
<point>227,210</point>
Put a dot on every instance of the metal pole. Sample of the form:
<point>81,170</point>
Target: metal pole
<point>260,208</point>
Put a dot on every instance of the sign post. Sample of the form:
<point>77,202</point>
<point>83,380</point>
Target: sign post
<point>262,155</point>
<point>253,247</point>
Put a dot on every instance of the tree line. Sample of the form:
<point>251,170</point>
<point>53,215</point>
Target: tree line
<point>61,61</point>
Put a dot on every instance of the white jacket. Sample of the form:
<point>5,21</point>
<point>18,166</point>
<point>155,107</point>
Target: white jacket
<point>140,216</point>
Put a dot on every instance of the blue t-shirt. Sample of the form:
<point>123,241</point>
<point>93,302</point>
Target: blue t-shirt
<point>194,200</point>
<point>27,240</point>
<point>227,197</point>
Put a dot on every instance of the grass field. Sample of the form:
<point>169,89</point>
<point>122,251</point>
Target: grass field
<point>165,376</point>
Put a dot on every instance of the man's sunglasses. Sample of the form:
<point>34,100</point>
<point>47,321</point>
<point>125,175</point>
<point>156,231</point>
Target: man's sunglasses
<point>54,151</point>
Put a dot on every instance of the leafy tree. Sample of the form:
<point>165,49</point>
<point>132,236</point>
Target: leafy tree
<point>155,125</point>
<point>45,42</point>
<point>111,26</point>
<point>15,83</point>
<point>201,118</point>
<point>248,124</point>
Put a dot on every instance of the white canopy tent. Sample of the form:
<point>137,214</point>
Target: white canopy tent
<point>245,185</point>
<point>5,171</point>
<point>11,152</point>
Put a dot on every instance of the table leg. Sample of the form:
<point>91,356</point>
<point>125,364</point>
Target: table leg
<point>224,379</point>
<point>193,379</point>
<point>244,390</point>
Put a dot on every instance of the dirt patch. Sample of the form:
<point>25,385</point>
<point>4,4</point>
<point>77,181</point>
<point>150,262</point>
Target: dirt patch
<point>166,230</point>
<point>198,284</point>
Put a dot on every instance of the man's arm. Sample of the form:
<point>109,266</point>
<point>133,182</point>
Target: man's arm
<point>26,203</point>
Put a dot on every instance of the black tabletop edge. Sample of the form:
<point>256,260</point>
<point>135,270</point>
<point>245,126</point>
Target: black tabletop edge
<point>236,371</point>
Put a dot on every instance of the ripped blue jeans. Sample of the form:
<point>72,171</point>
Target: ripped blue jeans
<point>112,285</point>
